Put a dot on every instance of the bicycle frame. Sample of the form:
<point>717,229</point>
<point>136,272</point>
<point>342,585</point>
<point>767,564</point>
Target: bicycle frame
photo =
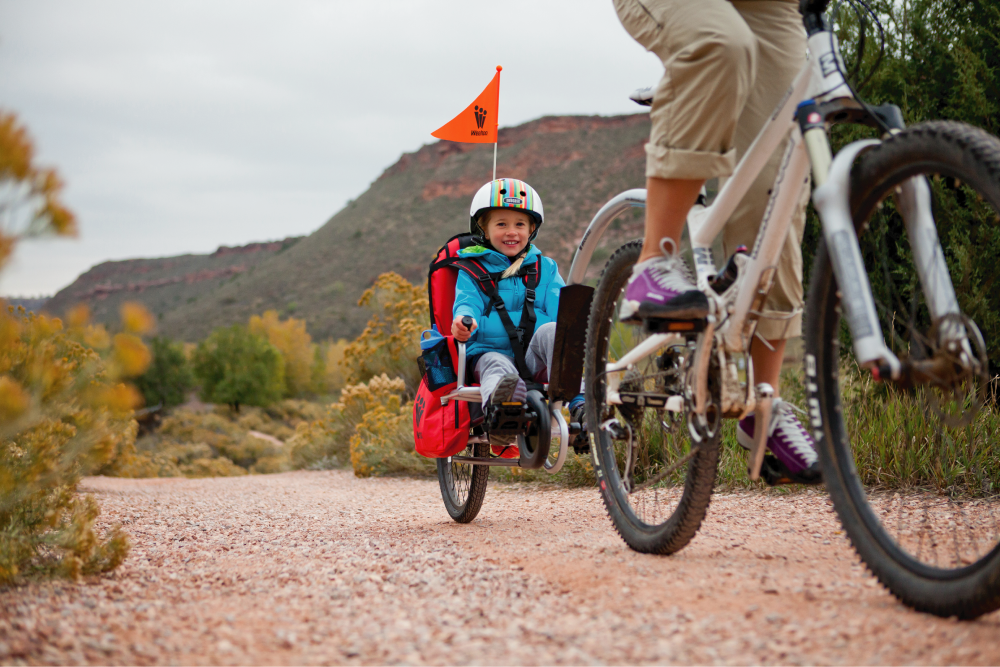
<point>733,314</point>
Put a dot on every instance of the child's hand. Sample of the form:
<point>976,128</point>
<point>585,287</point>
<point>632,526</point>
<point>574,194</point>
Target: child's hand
<point>462,328</point>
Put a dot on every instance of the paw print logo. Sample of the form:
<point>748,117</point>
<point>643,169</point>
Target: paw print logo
<point>418,413</point>
<point>480,116</point>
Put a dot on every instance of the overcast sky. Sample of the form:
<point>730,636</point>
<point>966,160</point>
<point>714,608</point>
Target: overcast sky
<point>182,126</point>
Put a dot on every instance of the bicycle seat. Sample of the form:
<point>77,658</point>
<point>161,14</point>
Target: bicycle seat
<point>642,96</point>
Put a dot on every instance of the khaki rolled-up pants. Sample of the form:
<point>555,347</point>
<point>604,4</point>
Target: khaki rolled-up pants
<point>727,65</point>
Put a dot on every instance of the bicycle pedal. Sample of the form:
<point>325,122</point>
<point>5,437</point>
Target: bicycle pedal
<point>673,326</point>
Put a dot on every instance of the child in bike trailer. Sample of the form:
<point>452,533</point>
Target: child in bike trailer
<point>514,306</point>
<point>727,64</point>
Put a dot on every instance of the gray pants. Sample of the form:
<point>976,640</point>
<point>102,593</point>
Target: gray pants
<point>492,366</point>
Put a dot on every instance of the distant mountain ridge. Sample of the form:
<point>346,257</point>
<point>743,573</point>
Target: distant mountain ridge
<point>30,304</point>
<point>162,284</point>
<point>575,163</point>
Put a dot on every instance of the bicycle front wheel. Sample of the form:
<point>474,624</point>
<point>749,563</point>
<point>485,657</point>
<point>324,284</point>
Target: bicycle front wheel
<point>463,486</point>
<point>914,473</point>
<point>655,480</point>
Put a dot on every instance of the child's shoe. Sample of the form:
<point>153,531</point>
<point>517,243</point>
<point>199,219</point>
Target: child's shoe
<point>795,459</point>
<point>662,288</point>
<point>510,388</point>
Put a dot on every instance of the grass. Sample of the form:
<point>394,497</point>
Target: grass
<point>900,444</point>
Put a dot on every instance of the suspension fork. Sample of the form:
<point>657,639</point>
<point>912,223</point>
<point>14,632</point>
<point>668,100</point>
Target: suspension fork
<point>832,200</point>
<point>913,199</point>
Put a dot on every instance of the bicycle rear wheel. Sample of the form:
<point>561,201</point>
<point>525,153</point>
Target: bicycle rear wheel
<point>463,486</point>
<point>914,474</point>
<point>655,479</point>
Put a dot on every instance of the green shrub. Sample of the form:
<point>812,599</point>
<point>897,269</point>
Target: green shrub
<point>238,367</point>
<point>295,346</point>
<point>169,378</point>
<point>255,419</point>
<point>270,464</point>
<point>188,426</point>
<point>219,466</point>
<point>187,440</point>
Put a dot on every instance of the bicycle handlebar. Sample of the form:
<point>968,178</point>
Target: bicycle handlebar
<point>812,15</point>
<point>813,6</point>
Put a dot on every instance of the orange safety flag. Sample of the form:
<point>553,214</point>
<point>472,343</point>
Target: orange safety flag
<point>478,123</point>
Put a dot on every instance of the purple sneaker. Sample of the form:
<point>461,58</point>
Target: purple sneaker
<point>795,459</point>
<point>662,288</point>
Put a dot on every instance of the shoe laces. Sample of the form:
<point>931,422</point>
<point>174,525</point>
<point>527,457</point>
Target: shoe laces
<point>671,272</point>
<point>798,437</point>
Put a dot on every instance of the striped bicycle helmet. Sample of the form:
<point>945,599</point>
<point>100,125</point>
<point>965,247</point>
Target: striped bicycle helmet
<point>506,193</point>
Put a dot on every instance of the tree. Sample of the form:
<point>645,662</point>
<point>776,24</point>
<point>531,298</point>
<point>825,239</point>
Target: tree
<point>317,380</point>
<point>294,344</point>
<point>169,378</point>
<point>335,371</point>
<point>236,366</point>
<point>941,61</point>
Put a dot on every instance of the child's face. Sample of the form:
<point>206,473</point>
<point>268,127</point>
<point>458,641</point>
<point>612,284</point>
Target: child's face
<point>508,230</point>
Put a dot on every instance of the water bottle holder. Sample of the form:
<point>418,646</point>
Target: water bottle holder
<point>438,367</point>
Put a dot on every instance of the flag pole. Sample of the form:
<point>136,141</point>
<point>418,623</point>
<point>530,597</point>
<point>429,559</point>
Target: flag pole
<point>496,136</point>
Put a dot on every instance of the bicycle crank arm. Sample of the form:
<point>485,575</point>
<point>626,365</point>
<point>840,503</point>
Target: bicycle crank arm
<point>832,200</point>
<point>643,350</point>
<point>761,424</point>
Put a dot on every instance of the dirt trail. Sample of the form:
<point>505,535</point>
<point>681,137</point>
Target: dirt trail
<point>320,567</point>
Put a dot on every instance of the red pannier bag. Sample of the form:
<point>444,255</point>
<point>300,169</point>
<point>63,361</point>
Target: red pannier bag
<point>439,430</point>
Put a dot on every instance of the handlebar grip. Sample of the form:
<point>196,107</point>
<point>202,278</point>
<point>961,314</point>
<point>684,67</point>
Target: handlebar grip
<point>467,322</point>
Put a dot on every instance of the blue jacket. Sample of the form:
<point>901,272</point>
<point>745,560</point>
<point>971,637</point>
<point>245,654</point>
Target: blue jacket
<point>470,300</point>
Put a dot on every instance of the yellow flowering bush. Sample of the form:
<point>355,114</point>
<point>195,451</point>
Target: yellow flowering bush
<point>370,426</point>
<point>375,411</point>
<point>390,342</point>
<point>383,442</point>
<point>65,410</point>
<point>29,194</point>
<point>66,413</point>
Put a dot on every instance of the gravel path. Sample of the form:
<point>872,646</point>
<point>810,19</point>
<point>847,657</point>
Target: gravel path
<point>320,567</point>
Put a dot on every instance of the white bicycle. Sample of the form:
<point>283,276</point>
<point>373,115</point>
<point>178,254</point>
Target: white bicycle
<point>908,352</point>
